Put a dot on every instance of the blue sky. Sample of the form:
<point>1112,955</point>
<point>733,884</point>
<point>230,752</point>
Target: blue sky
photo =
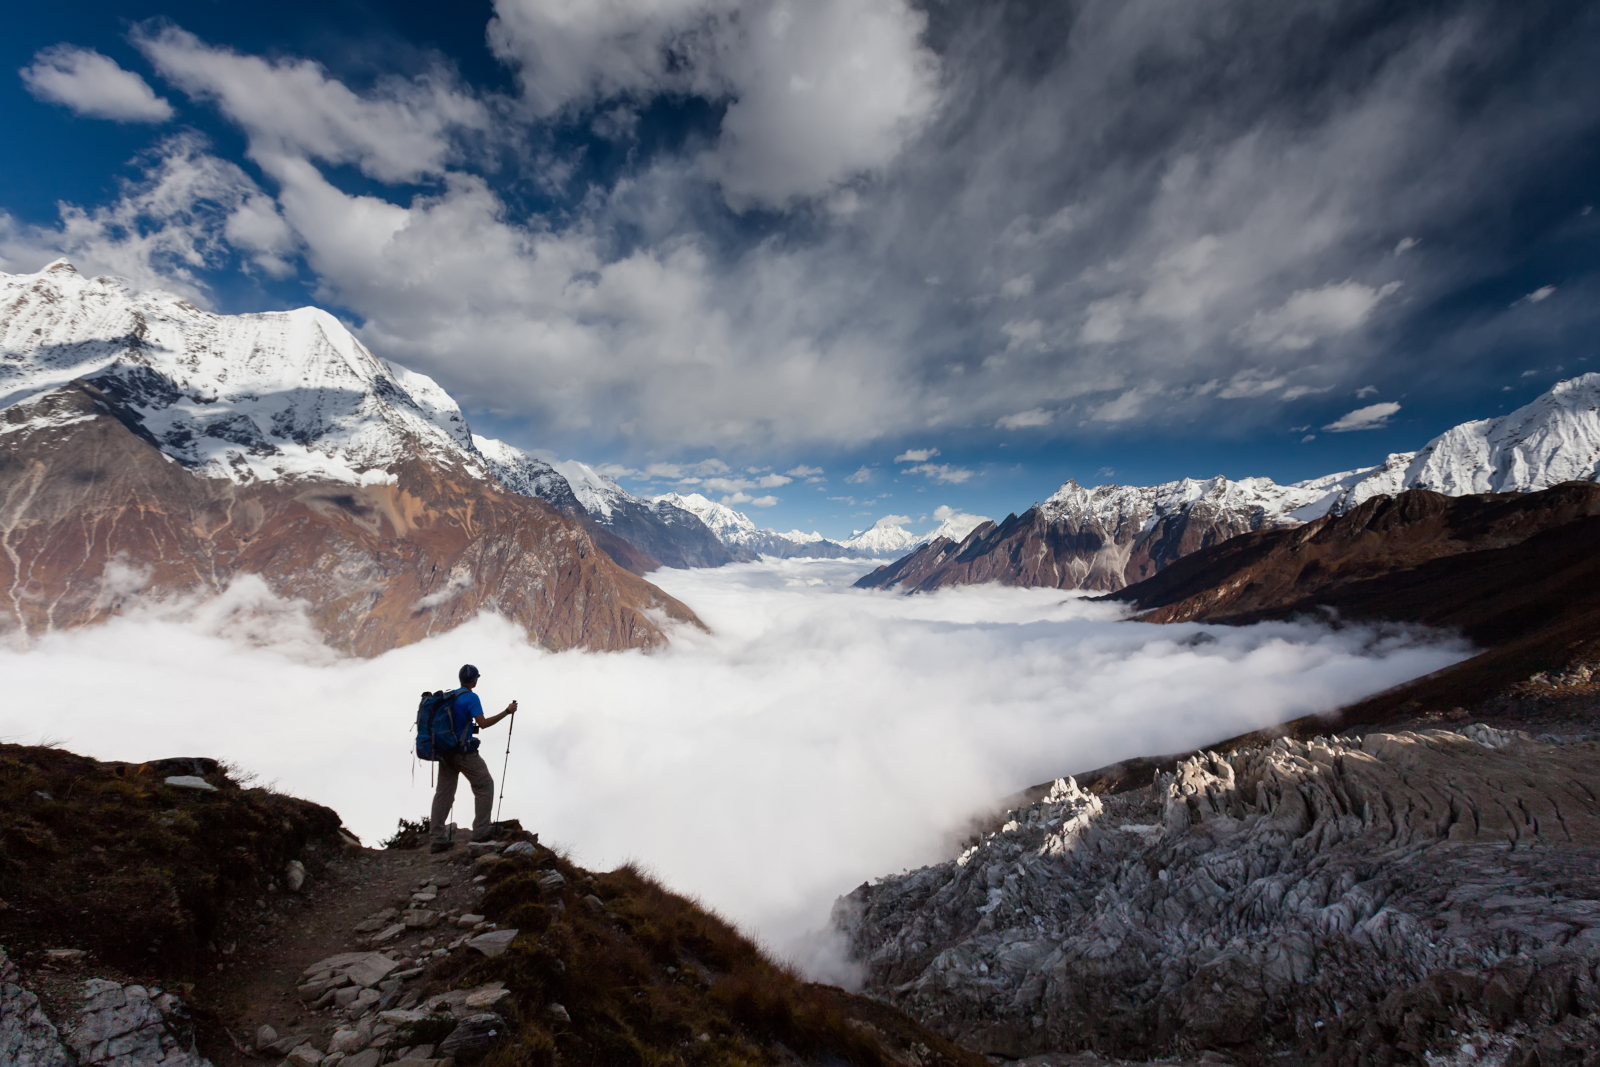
<point>728,242</point>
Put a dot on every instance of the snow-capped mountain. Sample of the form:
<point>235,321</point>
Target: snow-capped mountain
<point>887,538</point>
<point>735,530</point>
<point>1109,536</point>
<point>1553,439</point>
<point>153,447</point>
<point>288,394</point>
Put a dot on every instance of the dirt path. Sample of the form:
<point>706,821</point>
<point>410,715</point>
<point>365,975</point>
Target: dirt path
<point>257,984</point>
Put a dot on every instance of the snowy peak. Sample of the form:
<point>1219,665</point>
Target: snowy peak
<point>1118,508</point>
<point>731,527</point>
<point>888,537</point>
<point>242,397</point>
<point>1553,439</point>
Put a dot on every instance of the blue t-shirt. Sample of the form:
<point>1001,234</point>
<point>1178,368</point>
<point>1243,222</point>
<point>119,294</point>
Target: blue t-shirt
<point>466,709</point>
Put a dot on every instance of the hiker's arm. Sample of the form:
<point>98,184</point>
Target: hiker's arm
<point>486,721</point>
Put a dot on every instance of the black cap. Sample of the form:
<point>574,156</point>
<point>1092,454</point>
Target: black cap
<point>467,673</point>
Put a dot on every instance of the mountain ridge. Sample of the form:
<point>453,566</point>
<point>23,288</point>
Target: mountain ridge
<point>152,448</point>
<point>1106,537</point>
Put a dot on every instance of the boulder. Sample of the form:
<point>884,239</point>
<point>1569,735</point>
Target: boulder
<point>473,1037</point>
<point>370,969</point>
<point>366,1058</point>
<point>294,876</point>
<point>388,933</point>
<point>420,918</point>
<point>467,922</point>
<point>347,1041</point>
<point>494,943</point>
<point>305,1056</point>
<point>265,1036</point>
<point>484,999</point>
<point>521,848</point>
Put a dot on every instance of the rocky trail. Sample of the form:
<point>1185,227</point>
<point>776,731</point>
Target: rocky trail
<point>150,919</point>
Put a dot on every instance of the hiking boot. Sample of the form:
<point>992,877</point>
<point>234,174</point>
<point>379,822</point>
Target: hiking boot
<point>441,846</point>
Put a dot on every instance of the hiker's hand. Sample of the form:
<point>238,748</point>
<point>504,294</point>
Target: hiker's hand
<point>511,708</point>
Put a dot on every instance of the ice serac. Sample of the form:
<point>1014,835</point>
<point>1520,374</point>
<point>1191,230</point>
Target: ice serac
<point>745,541</point>
<point>147,446</point>
<point>1324,901</point>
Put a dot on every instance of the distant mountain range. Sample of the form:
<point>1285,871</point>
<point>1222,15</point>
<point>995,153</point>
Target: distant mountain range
<point>1112,536</point>
<point>152,447</point>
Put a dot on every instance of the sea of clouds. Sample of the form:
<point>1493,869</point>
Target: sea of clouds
<point>817,736</point>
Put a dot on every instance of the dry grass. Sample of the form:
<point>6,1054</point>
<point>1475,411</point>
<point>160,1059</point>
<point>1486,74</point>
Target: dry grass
<point>653,979</point>
<point>105,857</point>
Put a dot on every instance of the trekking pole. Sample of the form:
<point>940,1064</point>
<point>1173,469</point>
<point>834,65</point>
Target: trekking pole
<point>503,768</point>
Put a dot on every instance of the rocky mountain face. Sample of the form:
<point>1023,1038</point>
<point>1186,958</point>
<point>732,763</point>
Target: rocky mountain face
<point>148,447</point>
<point>1419,896</point>
<point>1109,536</point>
<point>1515,573</point>
<point>633,532</point>
<point>1100,538</point>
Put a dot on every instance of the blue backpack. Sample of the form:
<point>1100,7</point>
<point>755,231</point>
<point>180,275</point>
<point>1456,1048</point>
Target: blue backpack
<point>436,726</point>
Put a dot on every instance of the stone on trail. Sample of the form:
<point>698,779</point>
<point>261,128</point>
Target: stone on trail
<point>367,1058</point>
<point>420,918</point>
<point>334,963</point>
<point>521,848</point>
<point>494,943</point>
<point>552,880</point>
<point>347,1041</point>
<point>402,1016</point>
<point>376,921</point>
<point>265,1036</point>
<point>473,1037</point>
<point>467,922</point>
<point>190,781</point>
<point>482,999</point>
<point>303,1056</point>
<point>294,876</point>
<point>388,933</point>
<point>64,955</point>
<point>371,969</point>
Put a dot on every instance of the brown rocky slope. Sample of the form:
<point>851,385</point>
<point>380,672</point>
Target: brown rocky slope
<point>91,512</point>
<point>1515,573</point>
<point>502,953</point>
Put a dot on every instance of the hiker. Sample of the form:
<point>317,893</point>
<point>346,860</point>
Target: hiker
<point>468,720</point>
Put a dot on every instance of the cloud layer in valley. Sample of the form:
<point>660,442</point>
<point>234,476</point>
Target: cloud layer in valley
<point>816,737</point>
<point>835,223</point>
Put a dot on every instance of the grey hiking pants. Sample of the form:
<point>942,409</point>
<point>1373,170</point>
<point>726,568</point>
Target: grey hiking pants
<point>477,773</point>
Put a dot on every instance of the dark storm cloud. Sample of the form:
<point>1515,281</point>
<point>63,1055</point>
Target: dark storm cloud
<point>831,223</point>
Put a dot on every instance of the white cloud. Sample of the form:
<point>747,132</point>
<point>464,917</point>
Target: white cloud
<point>1295,392</point>
<point>861,476</point>
<point>1541,294</point>
<point>191,211</point>
<point>890,720</point>
<point>92,84</point>
<point>737,485</point>
<point>1406,244</point>
<point>1371,417</point>
<point>401,131</point>
<point>1251,383</point>
<point>1311,314</point>
<point>941,472</point>
<point>1025,419</point>
<point>1308,438</point>
<point>1366,391</point>
<point>764,501</point>
<point>810,474</point>
<point>916,455</point>
<point>817,93</point>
